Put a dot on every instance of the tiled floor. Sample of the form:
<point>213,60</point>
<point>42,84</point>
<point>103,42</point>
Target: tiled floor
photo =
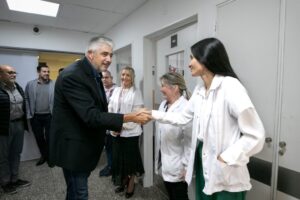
<point>48,184</point>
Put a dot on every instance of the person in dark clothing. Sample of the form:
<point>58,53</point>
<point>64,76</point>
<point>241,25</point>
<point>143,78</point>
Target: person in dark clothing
<point>80,118</point>
<point>60,70</point>
<point>12,125</point>
<point>109,87</point>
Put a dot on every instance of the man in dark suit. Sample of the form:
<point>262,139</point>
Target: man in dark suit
<point>80,117</point>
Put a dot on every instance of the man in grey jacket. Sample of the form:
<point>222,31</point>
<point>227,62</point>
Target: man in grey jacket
<point>39,94</point>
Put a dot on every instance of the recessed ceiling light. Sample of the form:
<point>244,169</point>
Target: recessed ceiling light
<point>34,6</point>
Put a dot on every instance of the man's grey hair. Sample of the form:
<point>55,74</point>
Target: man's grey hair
<point>96,42</point>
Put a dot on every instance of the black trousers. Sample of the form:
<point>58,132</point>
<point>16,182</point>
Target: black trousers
<point>177,190</point>
<point>108,149</point>
<point>10,152</point>
<point>40,124</point>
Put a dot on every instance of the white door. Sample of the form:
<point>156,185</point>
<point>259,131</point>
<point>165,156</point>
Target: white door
<point>249,30</point>
<point>289,138</point>
<point>262,38</point>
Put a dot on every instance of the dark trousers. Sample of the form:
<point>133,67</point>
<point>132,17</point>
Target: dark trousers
<point>177,190</point>
<point>40,124</point>
<point>10,152</point>
<point>108,149</point>
<point>77,184</point>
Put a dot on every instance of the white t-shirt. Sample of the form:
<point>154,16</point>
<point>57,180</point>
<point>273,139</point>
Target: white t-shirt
<point>126,101</point>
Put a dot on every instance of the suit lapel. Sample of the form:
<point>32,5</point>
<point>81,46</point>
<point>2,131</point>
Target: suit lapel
<point>102,94</point>
<point>98,89</point>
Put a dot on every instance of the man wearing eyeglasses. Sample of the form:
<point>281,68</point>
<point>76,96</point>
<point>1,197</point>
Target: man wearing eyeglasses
<point>39,98</point>
<point>109,87</point>
<point>12,125</point>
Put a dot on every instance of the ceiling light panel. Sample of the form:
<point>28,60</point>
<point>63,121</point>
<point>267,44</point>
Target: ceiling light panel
<point>34,7</point>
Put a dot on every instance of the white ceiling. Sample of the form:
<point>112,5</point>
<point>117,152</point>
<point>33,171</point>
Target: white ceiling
<point>92,16</point>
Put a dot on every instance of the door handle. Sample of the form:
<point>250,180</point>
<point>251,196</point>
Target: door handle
<point>268,140</point>
<point>282,149</point>
<point>282,144</point>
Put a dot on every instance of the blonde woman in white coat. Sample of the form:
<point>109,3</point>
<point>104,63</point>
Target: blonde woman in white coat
<point>173,143</point>
<point>126,158</point>
<point>227,130</point>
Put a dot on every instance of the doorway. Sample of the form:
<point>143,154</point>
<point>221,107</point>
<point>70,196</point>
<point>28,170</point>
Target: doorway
<point>160,54</point>
<point>56,61</point>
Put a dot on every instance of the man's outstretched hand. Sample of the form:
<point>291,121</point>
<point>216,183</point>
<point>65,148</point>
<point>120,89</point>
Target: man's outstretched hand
<point>142,116</point>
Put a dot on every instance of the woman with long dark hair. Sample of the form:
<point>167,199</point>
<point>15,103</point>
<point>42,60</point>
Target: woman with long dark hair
<point>226,127</point>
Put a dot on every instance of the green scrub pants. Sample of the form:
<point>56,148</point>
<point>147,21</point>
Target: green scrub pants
<point>223,195</point>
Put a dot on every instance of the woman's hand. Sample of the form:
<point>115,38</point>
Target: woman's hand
<point>221,159</point>
<point>144,111</point>
<point>115,133</point>
<point>183,173</point>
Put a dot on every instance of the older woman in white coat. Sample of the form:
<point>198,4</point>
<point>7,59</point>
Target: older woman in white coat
<point>173,143</point>
<point>226,127</point>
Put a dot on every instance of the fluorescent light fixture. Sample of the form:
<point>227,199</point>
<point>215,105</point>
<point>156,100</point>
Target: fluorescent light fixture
<point>34,6</point>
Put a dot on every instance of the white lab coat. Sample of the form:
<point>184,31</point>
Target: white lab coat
<point>174,143</point>
<point>219,118</point>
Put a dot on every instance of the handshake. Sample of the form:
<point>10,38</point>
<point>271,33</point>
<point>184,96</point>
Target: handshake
<point>142,116</point>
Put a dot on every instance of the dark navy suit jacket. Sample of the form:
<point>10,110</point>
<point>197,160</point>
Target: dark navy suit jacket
<point>80,119</point>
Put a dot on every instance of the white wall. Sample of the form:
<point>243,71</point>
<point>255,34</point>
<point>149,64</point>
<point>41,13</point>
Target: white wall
<point>156,15</point>
<point>16,35</point>
<point>122,58</point>
<point>24,62</point>
<point>185,39</point>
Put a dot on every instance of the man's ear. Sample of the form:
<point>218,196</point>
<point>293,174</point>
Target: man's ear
<point>90,54</point>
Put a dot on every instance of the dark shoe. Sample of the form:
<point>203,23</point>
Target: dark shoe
<point>105,172</point>
<point>9,189</point>
<point>129,194</point>
<point>41,161</point>
<point>119,189</point>
<point>21,183</point>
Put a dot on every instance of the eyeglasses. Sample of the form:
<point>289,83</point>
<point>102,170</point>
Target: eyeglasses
<point>12,73</point>
<point>106,77</point>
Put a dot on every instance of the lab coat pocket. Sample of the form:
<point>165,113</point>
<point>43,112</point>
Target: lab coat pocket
<point>172,165</point>
<point>223,173</point>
